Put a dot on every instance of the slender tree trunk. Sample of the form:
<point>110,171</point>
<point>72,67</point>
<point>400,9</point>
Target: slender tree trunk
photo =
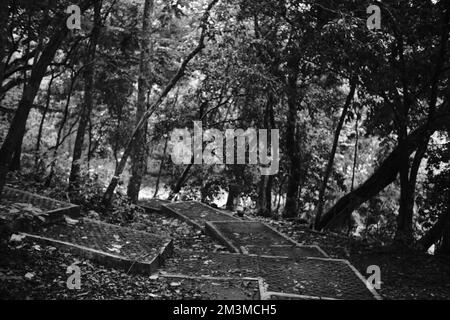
<point>404,233</point>
<point>329,167</point>
<point>292,145</point>
<point>264,201</point>
<point>180,181</point>
<point>161,167</point>
<point>60,130</point>
<point>280,193</point>
<point>4,20</point>
<point>138,148</point>
<point>15,162</point>
<point>86,108</point>
<point>41,124</point>
<point>444,247</point>
<point>355,155</point>
<point>233,194</point>
<point>435,233</point>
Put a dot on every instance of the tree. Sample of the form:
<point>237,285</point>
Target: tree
<point>384,175</point>
<point>138,155</point>
<point>38,71</point>
<point>107,197</point>
<point>86,108</point>
<point>329,166</point>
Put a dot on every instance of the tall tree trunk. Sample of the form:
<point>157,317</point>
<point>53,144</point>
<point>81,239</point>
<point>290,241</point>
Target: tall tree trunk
<point>15,162</point>
<point>233,194</point>
<point>292,145</point>
<point>444,247</point>
<point>86,107</point>
<point>4,19</point>
<point>355,154</point>
<point>329,167</point>
<point>107,196</point>
<point>408,173</point>
<point>138,149</point>
<point>176,189</point>
<point>435,233</point>
<point>41,124</point>
<point>280,192</point>
<point>404,232</point>
<point>60,130</point>
<point>161,167</point>
<point>384,175</point>
<point>264,201</point>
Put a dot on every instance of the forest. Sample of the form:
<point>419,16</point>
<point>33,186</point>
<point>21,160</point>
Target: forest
<point>93,92</point>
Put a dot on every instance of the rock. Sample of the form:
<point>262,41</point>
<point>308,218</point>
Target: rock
<point>93,215</point>
<point>29,275</point>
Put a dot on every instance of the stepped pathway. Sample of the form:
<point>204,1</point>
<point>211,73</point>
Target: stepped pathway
<point>264,263</point>
<point>153,205</point>
<point>111,245</point>
<point>196,213</point>
<point>286,269</point>
<point>238,235</point>
<point>282,277</point>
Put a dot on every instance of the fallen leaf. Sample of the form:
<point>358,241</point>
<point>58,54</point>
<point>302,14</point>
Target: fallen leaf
<point>29,275</point>
<point>71,221</point>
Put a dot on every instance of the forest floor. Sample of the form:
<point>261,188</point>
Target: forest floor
<point>404,274</point>
<point>32,271</point>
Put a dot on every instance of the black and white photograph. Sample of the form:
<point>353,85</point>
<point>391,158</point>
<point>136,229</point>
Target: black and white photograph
<point>251,154</point>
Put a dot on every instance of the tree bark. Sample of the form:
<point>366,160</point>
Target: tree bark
<point>444,247</point>
<point>233,194</point>
<point>60,130</point>
<point>4,19</point>
<point>41,124</point>
<point>180,181</point>
<point>86,108</point>
<point>264,201</point>
<point>161,167</point>
<point>435,233</point>
<point>329,167</point>
<point>292,146</point>
<point>138,154</point>
<point>384,175</point>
